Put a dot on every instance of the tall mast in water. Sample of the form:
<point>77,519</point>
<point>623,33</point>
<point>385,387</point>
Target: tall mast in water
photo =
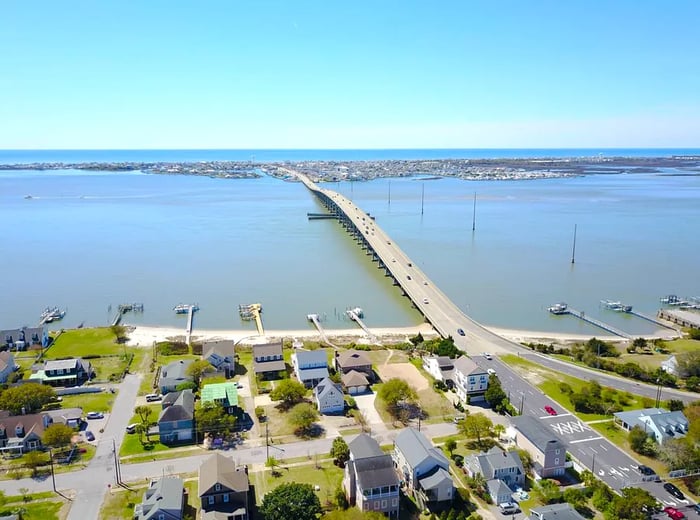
<point>422,197</point>
<point>474,215</point>
<point>389,192</point>
<point>573,252</point>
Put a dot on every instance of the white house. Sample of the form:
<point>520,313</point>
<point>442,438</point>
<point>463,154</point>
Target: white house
<point>470,380</point>
<point>7,365</point>
<point>329,397</point>
<point>670,365</point>
<point>310,366</point>
<point>440,367</point>
<point>657,422</point>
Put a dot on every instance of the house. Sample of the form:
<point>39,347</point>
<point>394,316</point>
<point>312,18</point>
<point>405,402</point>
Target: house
<point>63,372</point>
<point>670,365</point>
<point>268,361</point>
<point>355,382</point>
<point>22,433</point>
<point>21,339</point>
<point>660,424</point>
<point>221,394</point>
<point>369,479</point>
<point>440,367</point>
<point>220,355</point>
<point>310,366</point>
<point>423,468</point>
<point>497,466</point>
<point>176,419</point>
<point>7,366</point>
<point>356,360</point>
<point>174,374</point>
<point>163,500</point>
<point>470,380</point>
<point>71,417</point>
<point>329,397</point>
<point>547,451</point>
<point>562,511</point>
<point>223,489</point>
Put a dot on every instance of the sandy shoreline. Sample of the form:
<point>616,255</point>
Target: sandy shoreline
<point>146,335</point>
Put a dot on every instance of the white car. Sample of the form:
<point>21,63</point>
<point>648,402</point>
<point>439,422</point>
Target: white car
<point>425,300</point>
<point>491,372</point>
<point>487,356</point>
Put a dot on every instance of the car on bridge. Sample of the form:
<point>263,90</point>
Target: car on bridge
<point>460,332</point>
<point>425,300</point>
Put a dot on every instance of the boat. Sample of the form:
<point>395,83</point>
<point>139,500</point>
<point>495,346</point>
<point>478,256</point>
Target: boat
<point>184,308</point>
<point>559,308</point>
<point>616,306</point>
<point>670,299</point>
<point>51,314</point>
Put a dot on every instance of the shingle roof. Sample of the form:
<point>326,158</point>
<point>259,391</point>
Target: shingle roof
<point>354,378</point>
<point>676,421</point>
<point>353,358</point>
<point>434,479</point>
<point>182,408</point>
<point>221,470</point>
<point>467,367</point>
<point>60,364</point>
<point>313,373</point>
<point>222,347</point>
<point>364,446</point>
<point>311,358</point>
<point>175,372</point>
<point>416,448</point>
<point>538,434</point>
<point>375,471</point>
<point>163,494</point>
<point>556,512</point>
<point>267,349</point>
<point>497,488</point>
<point>496,459</point>
<point>326,387</point>
<point>5,358</point>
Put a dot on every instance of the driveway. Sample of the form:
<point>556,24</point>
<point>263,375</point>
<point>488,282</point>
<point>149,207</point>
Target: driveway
<point>365,403</point>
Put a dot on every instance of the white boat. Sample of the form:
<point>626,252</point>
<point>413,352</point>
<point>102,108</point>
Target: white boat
<point>51,314</point>
<point>559,308</point>
<point>616,306</point>
<point>184,308</point>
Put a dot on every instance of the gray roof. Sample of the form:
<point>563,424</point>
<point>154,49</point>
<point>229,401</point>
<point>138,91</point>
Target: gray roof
<point>222,347</point>
<point>435,479</point>
<point>467,367</point>
<point>555,512</point>
<point>182,408</point>
<point>313,373</point>
<point>175,373</point>
<point>163,494</point>
<point>538,434</point>
<point>267,349</point>
<point>353,358</point>
<point>5,359</point>
<point>218,469</point>
<point>25,332</point>
<point>354,378</point>
<point>63,415</point>
<point>327,387</point>
<point>311,358</point>
<point>375,471</point>
<point>670,424</point>
<point>276,365</point>
<point>364,446</point>
<point>497,487</point>
<point>416,448</point>
<point>62,364</point>
<point>495,459</point>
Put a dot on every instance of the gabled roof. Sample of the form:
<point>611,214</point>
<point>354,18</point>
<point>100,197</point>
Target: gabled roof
<point>32,423</point>
<point>163,494</point>
<point>364,446</point>
<point>218,469</point>
<point>174,373</point>
<point>353,358</point>
<point>327,387</point>
<point>182,408</point>
<point>467,367</point>
<point>494,459</point>
<point>375,471</point>
<point>354,378</point>
<point>267,349</point>
<point>61,364</point>
<point>538,434</point>
<point>306,374</point>
<point>435,479</point>
<point>5,359</point>
<point>63,415</point>
<point>416,448</point>
<point>220,391</point>
<point>223,348</point>
<point>555,512</point>
<point>497,488</point>
<point>311,358</point>
<point>670,424</point>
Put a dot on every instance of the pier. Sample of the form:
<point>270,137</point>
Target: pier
<point>123,308</point>
<point>562,308</point>
<point>314,318</point>
<point>654,321</point>
<point>321,216</point>
<point>252,311</point>
<point>190,319</point>
<point>356,316</point>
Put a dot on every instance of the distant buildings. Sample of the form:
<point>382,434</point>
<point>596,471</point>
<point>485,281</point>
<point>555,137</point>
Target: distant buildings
<point>174,374</point>
<point>310,366</point>
<point>548,453</point>
<point>659,424</point>
<point>163,500</point>
<point>223,489</point>
<point>7,366</point>
<point>63,372</point>
<point>369,480</point>
<point>681,317</point>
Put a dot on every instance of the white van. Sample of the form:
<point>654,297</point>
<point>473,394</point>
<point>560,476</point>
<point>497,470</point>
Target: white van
<point>153,397</point>
<point>508,508</point>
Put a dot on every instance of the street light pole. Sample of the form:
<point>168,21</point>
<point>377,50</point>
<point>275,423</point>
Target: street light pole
<point>53,476</point>
<point>522,400</point>
<point>658,392</point>
<point>267,443</point>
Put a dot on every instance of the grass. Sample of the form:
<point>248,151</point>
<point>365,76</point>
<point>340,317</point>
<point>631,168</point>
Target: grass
<point>105,367</point>
<point>84,342</point>
<point>95,402</point>
<point>170,453</point>
<point>328,477</point>
<point>119,503</point>
<point>277,421</point>
<point>132,445</point>
<point>44,510</point>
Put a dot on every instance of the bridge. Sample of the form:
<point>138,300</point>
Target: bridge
<point>430,301</point>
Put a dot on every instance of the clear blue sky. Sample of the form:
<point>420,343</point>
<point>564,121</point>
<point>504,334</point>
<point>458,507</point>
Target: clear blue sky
<point>350,74</point>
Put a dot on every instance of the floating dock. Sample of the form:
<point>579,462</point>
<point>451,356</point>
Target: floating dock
<point>562,308</point>
<point>252,311</point>
<point>314,318</point>
<point>356,315</point>
<point>123,308</point>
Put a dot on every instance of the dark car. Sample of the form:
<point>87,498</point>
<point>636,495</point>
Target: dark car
<point>697,508</point>
<point>89,435</point>
<point>460,332</point>
<point>674,491</point>
<point>646,470</point>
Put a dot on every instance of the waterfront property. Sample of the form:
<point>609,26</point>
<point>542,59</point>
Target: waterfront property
<point>220,355</point>
<point>470,380</point>
<point>356,360</point>
<point>440,367</point>
<point>355,382</point>
<point>502,470</point>
<point>21,339</point>
<point>174,374</point>
<point>176,419</point>
<point>660,424</point>
<point>224,395</point>
<point>7,365</point>
<point>329,397</point>
<point>423,468</point>
<point>22,433</point>
<point>268,360</point>
<point>547,451</point>
<point>223,489</point>
<point>163,500</point>
<point>63,372</point>
<point>310,366</point>
<point>369,479</point>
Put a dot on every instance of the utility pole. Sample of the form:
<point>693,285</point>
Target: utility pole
<point>116,462</point>
<point>474,214</point>
<point>593,465</point>
<point>573,252</point>
<point>267,442</point>
<point>522,400</point>
<point>53,476</point>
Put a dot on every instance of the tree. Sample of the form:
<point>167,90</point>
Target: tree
<point>692,384</point>
<point>450,445</point>
<point>33,460</point>
<point>140,430</point>
<point>396,392</point>
<point>549,491</point>
<point>197,369</point>
<point>689,363</point>
<point>475,425</point>
<point>637,438</point>
<point>633,504</point>
<point>575,496</point>
<point>272,463</point>
<point>498,430</point>
<point>291,501</point>
<point>340,452</point>
<point>57,435</point>
<point>494,394</point>
<point>679,454</point>
<point>119,332</point>
<point>675,405</point>
<point>187,385</point>
<point>302,416</point>
<point>525,460</point>
<point>213,418</point>
<point>26,398</point>
<point>289,392</point>
<point>144,412</point>
<point>639,344</point>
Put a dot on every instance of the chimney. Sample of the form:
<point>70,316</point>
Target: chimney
<point>24,411</point>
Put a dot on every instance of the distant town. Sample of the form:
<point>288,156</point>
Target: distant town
<point>334,171</point>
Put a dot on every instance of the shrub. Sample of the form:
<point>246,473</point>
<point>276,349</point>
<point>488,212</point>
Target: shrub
<point>459,460</point>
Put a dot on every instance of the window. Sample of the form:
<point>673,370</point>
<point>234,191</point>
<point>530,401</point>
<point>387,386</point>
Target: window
<point>383,504</point>
<point>556,452</point>
<point>211,500</point>
<point>365,506</point>
<point>376,504</point>
<point>225,497</point>
<point>394,502</point>
<point>217,487</point>
<point>556,461</point>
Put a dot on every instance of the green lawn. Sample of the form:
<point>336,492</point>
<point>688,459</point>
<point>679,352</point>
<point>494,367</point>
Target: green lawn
<point>83,342</point>
<point>328,478</point>
<point>119,503</point>
<point>93,402</point>
<point>132,445</point>
<point>619,438</point>
<point>43,510</point>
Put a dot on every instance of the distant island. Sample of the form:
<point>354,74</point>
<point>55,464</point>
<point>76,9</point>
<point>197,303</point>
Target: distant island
<point>335,171</point>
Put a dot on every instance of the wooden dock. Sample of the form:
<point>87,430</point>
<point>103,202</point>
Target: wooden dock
<point>253,311</point>
<point>654,321</point>
<point>602,325</point>
<point>317,323</point>
<point>354,316</point>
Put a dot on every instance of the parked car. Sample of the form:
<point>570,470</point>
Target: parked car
<point>131,428</point>
<point>672,489</point>
<point>89,435</point>
<point>646,470</point>
<point>460,332</point>
<point>550,410</point>
<point>674,513</point>
<point>697,508</point>
<point>508,508</point>
<point>491,372</point>
<point>94,415</point>
<point>153,397</point>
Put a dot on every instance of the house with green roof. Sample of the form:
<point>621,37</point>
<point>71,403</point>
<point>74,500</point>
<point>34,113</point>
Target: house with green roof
<point>221,394</point>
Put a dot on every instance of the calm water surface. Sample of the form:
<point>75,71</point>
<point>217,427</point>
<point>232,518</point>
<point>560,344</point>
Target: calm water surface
<point>88,240</point>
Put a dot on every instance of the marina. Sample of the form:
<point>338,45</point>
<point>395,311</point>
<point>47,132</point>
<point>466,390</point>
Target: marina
<point>51,314</point>
<point>252,312</point>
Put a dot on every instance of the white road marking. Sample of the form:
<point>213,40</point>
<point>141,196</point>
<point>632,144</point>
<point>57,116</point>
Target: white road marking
<point>606,449</point>
<point>623,468</point>
<point>594,450</point>
<point>585,440</point>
